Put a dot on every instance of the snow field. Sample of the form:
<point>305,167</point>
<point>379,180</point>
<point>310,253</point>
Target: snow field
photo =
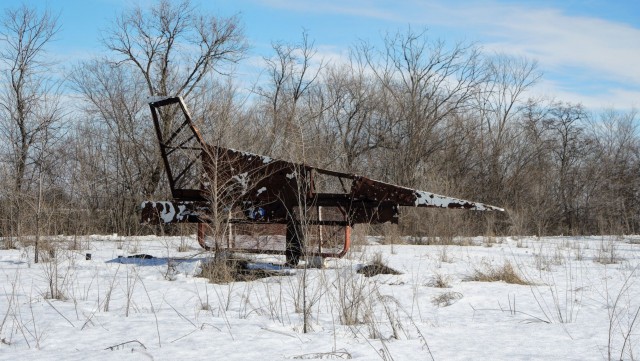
<point>581,303</point>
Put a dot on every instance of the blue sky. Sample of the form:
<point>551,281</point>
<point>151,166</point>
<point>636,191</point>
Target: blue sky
<point>588,50</point>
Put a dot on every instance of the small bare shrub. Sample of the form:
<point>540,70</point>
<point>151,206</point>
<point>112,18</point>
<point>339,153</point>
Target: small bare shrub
<point>171,273</point>
<point>578,251</point>
<point>56,274</point>
<point>543,260</point>
<point>443,254</point>
<point>505,273</point>
<point>353,297</point>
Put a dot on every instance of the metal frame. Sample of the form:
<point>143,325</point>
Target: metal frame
<point>273,187</point>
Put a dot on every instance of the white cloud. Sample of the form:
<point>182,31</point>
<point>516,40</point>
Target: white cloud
<point>557,40</point>
<point>573,51</point>
<point>606,98</point>
<point>585,52</point>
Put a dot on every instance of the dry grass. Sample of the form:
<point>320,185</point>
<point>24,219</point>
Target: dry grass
<point>333,355</point>
<point>505,273</point>
<point>376,267</point>
<point>183,247</point>
<point>446,299</point>
<point>391,235</point>
<point>227,269</point>
<point>607,253</point>
<point>47,250</point>
<point>9,243</point>
<point>440,280</point>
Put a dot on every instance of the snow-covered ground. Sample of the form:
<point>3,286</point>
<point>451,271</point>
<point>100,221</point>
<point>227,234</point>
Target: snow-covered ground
<point>582,303</point>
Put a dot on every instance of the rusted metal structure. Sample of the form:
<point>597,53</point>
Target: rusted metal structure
<point>252,203</point>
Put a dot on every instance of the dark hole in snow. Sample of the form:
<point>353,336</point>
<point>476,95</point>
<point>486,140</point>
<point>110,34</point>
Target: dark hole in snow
<point>141,256</point>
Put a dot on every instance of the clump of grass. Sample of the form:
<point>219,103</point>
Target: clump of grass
<point>184,244</point>
<point>544,261</point>
<point>376,267</point>
<point>228,269</point>
<point>183,248</point>
<point>505,273</point>
<point>339,354</point>
<point>440,281</point>
<point>446,299</point>
<point>608,253</point>
<point>443,255</point>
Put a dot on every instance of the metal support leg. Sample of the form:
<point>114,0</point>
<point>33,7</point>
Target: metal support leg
<point>294,243</point>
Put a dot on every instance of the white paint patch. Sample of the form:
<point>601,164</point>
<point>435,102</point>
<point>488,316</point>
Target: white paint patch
<point>250,156</point>
<point>181,212</point>
<point>435,200</point>
<point>243,180</point>
<point>168,212</point>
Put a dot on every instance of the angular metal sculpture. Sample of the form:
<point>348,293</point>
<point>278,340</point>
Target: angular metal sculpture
<point>250,200</point>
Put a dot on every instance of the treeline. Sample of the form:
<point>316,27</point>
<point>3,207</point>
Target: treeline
<point>78,151</point>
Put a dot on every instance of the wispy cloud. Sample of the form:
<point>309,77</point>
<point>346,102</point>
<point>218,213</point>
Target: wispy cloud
<point>561,40</point>
<point>574,51</point>
<point>595,58</point>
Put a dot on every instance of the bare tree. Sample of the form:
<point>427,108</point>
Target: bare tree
<point>500,104</point>
<point>29,102</point>
<point>292,76</point>
<point>352,113</point>
<point>568,152</point>
<point>119,131</point>
<point>172,47</point>
<point>30,112</point>
<point>613,169</point>
<point>424,83</point>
